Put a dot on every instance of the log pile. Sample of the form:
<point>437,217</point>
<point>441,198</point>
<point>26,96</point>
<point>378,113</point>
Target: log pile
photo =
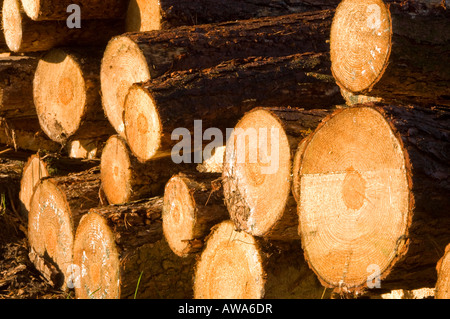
<point>229,149</point>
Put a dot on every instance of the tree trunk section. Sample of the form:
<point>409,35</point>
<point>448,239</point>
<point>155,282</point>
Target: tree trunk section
<point>259,154</point>
<point>67,95</point>
<point>125,179</point>
<point>121,253</point>
<point>25,35</point>
<point>443,272</point>
<point>193,203</point>
<point>16,87</point>
<point>144,15</point>
<point>376,215</point>
<point>39,10</point>
<point>237,265</point>
<point>219,96</point>
<point>141,56</point>
<point>55,211</point>
<point>392,50</point>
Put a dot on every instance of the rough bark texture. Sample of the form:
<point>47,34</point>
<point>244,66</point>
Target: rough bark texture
<point>193,203</point>
<point>69,104</point>
<point>221,95</point>
<point>142,253</point>
<point>295,125</point>
<point>16,87</point>
<point>39,10</point>
<point>167,14</point>
<point>417,67</point>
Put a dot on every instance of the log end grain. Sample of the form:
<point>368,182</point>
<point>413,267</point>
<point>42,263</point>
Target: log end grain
<point>354,202</point>
<point>116,171</point>
<point>12,24</point>
<point>230,266</point>
<point>122,65</point>
<point>143,127</point>
<point>360,43</point>
<point>143,15</point>
<point>443,269</point>
<point>59,91</point>
<point>258,157</point>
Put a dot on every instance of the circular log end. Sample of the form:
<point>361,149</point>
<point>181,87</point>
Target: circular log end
<point>354,198</point>
<point>33,171</point>
<point>230,266</point>
<point>258,156</point>
<point>116,171</point>
<point>122,65</point>
<point>360,43</point>
<point>179,216</point>
<point>443,282</point>
<point>97,259</point>
<point>50,225</point>
<point>143,15</point>
<point>12,24</point>
<point>32,8</point>
<point>59,93</point>
<point>142,123</point>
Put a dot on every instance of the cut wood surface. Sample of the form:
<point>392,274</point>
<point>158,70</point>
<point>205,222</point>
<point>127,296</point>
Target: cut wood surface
<point>25,35</point>
<point>140,56</point>
<point>39,10</point>
<point>374,185</point>
<point>219,96</point>
<point>443,272</point>
<point>66,91</point>
<point>396,50</point>
<point>193,203</point>
<point>147,15</point>
<point>16,87</point>
<point>125,179</point>
<point>121,253</point>
<point>237,265</point>
<point>259,154</point>
<point>56,208</point>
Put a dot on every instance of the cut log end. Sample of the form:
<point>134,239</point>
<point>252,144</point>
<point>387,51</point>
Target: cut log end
<point>116,171</point>
<point>50,226</point>
<point>12,24</point>
<point>258,156</point>
<point>59,94</point>
<point>354,203</point>
<point>122,65</point>
<point>33,171</point>
<point>443,269</point>
<point>143,15</point>
<point>230,266</point>
<point>32,8</point>
<point>97,258</point>
<point>360,43</point>
<point>142,123</point>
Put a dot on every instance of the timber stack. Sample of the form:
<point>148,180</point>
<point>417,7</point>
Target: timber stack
<point>229,149</point>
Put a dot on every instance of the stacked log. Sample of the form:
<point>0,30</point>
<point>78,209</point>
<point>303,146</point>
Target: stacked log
<point>443,281</point>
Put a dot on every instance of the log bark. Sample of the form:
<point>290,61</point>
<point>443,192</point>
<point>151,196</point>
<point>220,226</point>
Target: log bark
<point>219,96</point>
<point>55,211</point>
<point>141,56</point>
<point>125,179</point>
<point>66,92</point>
<point>151,15</point>
<point>121,253</point>
<point>259,154</point>
<point>237,265</point>
<point>193,203</point>
<point>16,87</point>
<point>393,50</point>
<point>443,273</point>
<point>377,213</point>
<point>25,35</point>
<point>39,10</point>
